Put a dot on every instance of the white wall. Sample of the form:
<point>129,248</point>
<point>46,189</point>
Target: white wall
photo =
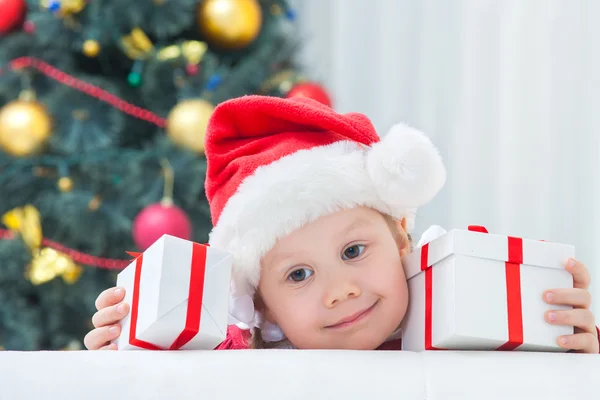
<point>508,90</point>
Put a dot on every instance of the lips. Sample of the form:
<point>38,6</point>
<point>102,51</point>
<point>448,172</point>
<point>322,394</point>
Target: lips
<point>354,318</point>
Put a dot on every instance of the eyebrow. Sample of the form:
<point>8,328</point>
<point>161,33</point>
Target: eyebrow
<point>279,262</point>
<point>358,223</point>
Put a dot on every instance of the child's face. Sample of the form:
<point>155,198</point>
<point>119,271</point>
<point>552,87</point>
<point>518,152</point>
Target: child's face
<point>337,283</point>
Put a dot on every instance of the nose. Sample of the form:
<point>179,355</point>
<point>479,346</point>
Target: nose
<point>340,291</point>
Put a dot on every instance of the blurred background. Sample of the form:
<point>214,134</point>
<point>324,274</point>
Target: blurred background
<point>103,106</point>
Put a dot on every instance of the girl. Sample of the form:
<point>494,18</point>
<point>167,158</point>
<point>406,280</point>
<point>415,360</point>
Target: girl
<point>316,210</point>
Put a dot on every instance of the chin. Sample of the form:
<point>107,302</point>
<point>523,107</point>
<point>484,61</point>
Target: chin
<point>366,345</point>
<point>372,341</point>
<point>365,340</point>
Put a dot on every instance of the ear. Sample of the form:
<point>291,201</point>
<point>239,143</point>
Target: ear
<point>404,242</point>
<point>403,224</point>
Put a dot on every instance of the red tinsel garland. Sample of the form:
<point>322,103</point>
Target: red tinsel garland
<point>87,88</point>
<point>77,256</point>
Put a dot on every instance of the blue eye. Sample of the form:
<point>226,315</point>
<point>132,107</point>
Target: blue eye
<point>300,274</point>
<point>353,251</point>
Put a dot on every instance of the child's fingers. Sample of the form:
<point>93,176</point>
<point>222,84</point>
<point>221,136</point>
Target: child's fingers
<point>581,276</point>
<point>569,297</point>
<point>581,342</point>
<point>578,317</point>
<point>101,337</point>
<point>110,297</point>
<point>110,315</point>
<point>111,346</point>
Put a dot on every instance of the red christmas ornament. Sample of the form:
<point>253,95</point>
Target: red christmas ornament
<point>312,91</point>
<point>29,27</point>
<point>192,69</point>
<point>159,219</point>
<point>12,14</point>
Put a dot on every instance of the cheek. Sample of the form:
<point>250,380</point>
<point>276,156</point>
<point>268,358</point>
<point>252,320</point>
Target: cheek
<point>399,291</point>
<point>389,276</point>
<point>298,319</point>
<point>389,281</point>
<point>290,310</point>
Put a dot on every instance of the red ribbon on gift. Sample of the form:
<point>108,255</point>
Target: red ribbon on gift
<point>513,292</point>
<point>194,306</point>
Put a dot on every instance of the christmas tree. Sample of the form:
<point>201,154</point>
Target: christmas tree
<point>103,107</point>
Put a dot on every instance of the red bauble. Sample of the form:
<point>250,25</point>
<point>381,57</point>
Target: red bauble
<point>311,90</point>
<point>192,69</point>
<point>159,219</point>
<point>29,27</point>
<point>12,14</point>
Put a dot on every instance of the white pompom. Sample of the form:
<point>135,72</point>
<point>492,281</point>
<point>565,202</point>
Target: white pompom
<point>406,168</point>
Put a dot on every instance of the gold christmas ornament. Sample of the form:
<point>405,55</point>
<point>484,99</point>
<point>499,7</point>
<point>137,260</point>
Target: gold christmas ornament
<point>25,127</point>
<point>95,203</point>
<point>192,50</point>
<point>137,45</point>
<point>91,48</point>
<point>65,184</point>
<point>46,264</point>
<point>68,7</point>
<point>26,222</point>
<point>230,24</point>
<point>187,121</point>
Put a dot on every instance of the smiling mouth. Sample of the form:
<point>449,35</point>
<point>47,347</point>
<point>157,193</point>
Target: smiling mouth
<point>354,318</point>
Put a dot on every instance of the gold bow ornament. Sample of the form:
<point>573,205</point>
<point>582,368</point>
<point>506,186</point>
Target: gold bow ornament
<point>66,7</point>
<point>47,263</point>
<point>138,46</point>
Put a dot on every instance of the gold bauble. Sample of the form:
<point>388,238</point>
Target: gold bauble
<point>187,121</point>
<point>65,184</point>
<point>95,203</point>
<point>25,127</point>
<point>230,24</point>
<point>91,48</point>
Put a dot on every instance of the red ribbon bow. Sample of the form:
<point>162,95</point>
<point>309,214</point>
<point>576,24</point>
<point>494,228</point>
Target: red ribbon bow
<point>194,306</point>
<point>513,292</point>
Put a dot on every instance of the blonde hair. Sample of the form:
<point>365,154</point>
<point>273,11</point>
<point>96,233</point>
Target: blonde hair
<point>256,340</point>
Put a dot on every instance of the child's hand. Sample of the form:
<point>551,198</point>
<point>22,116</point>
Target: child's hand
<point>110,312</point>
<point>585,339</point>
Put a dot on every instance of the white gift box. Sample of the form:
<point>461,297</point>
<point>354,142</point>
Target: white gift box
<point>178,292</point>
<point>470,290</point>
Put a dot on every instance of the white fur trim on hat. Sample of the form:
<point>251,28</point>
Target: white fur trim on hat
<point>395,176</point>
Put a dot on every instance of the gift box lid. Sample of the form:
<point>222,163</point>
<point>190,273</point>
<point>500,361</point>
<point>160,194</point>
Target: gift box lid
<point>476,242</point>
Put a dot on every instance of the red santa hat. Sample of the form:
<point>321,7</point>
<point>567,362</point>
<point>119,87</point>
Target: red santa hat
<point>275,165</point>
